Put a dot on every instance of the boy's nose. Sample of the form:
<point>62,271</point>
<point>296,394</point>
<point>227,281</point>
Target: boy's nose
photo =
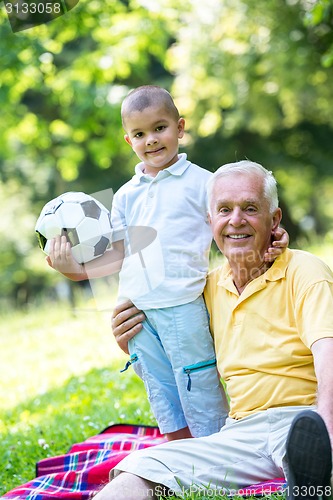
<point>151,139</point>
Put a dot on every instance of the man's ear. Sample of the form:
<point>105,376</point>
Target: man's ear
<point>277,216</point>
<point>128,140</point>
<point>209,218</point>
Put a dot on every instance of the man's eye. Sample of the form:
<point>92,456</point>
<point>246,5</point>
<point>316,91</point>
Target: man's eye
<point>251,209</point>
<point>224,210</point>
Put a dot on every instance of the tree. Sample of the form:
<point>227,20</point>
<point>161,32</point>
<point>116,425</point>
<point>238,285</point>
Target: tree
<point>319,20</point>
<point>62,85</point>
<point>252,78</point>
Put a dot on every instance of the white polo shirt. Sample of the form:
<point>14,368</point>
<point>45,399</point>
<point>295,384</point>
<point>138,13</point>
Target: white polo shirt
<point>167,236</point>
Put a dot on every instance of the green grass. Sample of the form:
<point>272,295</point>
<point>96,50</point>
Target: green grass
<point>60,385</point>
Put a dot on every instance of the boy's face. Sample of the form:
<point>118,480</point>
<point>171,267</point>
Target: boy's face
<point>153,135</point>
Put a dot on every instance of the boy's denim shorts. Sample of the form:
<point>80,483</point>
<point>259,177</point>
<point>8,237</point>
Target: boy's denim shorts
<point>174,356</point>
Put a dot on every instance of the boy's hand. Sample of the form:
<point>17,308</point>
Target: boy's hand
<point>279,244</point>
<point>61,259</point>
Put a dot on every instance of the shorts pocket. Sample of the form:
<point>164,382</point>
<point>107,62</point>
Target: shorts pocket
<point>196,367</point>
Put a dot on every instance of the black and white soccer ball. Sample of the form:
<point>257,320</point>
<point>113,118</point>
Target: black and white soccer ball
<point>83,219</point>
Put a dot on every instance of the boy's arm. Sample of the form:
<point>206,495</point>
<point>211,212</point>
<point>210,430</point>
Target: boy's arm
<point>61,259</point>
<point>279,244</point>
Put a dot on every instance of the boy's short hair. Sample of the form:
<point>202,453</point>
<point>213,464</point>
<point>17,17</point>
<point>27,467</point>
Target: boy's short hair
<point>146,96</point>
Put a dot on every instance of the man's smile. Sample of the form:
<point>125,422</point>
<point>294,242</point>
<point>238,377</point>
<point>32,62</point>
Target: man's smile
<point>238,236</point>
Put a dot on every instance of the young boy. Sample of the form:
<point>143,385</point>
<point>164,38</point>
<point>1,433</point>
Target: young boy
<point>162,216</point>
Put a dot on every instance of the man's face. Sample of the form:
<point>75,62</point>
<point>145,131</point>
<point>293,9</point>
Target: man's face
<point>241,221</point>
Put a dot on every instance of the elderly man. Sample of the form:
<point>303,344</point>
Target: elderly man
<point>273,331</point>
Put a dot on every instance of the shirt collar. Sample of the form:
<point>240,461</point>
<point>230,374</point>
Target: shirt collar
<point>276,272</point>
<point>177,169</point>
<point>279,268</point>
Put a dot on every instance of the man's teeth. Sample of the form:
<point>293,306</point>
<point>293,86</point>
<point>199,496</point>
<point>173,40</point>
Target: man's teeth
<point>237,236</point>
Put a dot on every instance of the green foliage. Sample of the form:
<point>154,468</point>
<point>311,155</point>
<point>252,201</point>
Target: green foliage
<point>319,18</point>
<point>252,78</point>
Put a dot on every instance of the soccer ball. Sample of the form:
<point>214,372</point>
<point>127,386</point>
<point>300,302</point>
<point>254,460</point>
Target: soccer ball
<point>83,219</point>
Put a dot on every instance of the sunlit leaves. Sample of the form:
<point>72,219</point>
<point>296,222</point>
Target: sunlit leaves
<point>253,78</point>
<point>262,60</point>
<point>319,19</point>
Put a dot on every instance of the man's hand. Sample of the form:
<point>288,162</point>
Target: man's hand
<point>279,244</point>
<point>126,323</point>
<point>61,259</point>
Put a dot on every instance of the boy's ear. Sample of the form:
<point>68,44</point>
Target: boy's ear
<point>128,140</point>
<point>181,128</point>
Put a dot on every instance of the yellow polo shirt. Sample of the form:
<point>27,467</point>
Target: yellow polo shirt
<point>263,336</point>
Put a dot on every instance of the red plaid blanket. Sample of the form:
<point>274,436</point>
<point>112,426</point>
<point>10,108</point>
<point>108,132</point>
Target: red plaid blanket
<point>80,473</point>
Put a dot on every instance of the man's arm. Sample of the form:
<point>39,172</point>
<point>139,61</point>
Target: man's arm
<point>322,351</point>
<point>126,323</point>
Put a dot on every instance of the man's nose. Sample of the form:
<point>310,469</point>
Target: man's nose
<point>237,217</point>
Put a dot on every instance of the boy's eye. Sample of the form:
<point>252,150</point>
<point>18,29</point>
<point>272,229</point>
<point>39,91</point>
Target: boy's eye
<point>138,134</point>
<point>160,127</point>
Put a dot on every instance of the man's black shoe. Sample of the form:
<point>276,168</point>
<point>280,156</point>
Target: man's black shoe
<point>309,455</point>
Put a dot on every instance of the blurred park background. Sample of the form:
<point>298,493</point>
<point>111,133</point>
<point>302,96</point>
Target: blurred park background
<point>253,79</point>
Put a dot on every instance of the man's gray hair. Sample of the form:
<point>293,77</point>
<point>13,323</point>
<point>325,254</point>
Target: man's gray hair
<point>247,167</point>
